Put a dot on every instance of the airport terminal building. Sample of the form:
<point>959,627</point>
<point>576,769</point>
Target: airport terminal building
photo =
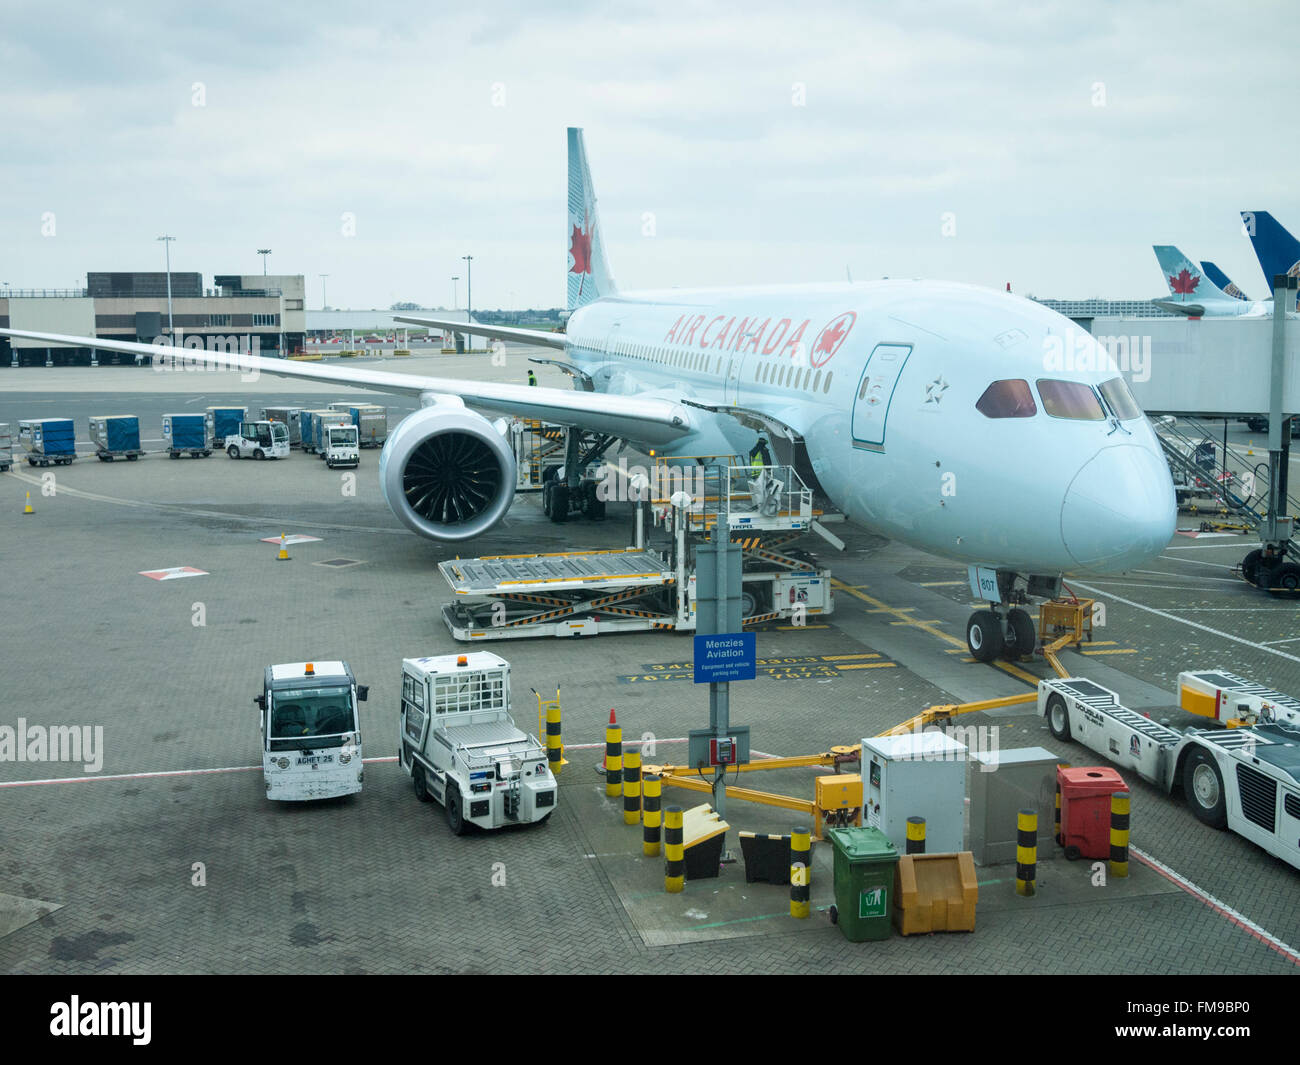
<point>265,314</point>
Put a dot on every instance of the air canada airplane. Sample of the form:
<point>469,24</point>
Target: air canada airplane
<point>965,422</point>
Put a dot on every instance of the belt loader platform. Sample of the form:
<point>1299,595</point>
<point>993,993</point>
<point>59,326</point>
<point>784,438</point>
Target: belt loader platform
<point>584,593</point>
<point>1245,779</point>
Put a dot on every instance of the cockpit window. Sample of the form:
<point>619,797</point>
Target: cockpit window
<point>1007,399</point>
<point>1070,399</point>
<point>1119,399</point>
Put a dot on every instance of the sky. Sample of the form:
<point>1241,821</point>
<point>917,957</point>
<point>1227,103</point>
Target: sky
<point>1046,145</point>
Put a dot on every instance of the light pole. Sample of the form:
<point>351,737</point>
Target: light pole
<point>167,245</point>
<point>469,287</point>
<point>323,304</point>
<point>455,303</point>
<point>263,252</point>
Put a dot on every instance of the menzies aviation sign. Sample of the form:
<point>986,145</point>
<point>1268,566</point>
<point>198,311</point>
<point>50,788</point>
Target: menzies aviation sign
<point>725,657</point>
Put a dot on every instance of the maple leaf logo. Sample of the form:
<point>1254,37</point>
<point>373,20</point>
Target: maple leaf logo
<point>580,248</point>
<point>830,338</point>
<point>1184,283</point>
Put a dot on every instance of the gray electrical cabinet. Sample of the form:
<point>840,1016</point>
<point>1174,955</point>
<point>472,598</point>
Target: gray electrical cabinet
<point>919,774</point>
<point>1002,783</point>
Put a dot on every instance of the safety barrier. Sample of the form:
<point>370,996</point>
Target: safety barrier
<point>1119,809</point>
<point>613,757</point>
<point>916,835</point>
<point>1027,852</point>
<point>674,852</point>
<point>631,787</point>
<point>652,790</point>
<point>800,872</point>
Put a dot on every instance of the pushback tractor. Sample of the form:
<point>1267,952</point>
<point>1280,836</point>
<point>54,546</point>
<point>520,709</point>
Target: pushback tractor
<point>1245,779</point>
<point>460,746</point>
<point>311,734</point>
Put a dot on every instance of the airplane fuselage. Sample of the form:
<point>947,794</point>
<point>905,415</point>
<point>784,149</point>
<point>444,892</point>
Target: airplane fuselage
<point>881,380</point>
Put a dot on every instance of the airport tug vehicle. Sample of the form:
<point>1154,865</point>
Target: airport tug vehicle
<point>260,440</point>
<point>311,735</point>
<point>1244,778</point>
<point>459,744</point>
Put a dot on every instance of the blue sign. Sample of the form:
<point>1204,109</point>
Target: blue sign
<point>726,657</point>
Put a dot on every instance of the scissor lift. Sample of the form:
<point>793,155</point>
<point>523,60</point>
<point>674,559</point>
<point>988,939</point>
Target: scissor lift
<point>584,593</point>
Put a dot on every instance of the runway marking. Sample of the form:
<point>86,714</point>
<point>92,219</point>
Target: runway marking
<point>943,584</point>
<point>796,628</point>
<point>892,610</point>
<point>1194,562</point>
<point>1221,908</point>
<point>1193,624</point>
<point>1198,580</point>
<point>868,665</point>
<point>1213,547</point>
<point>1112,651</point>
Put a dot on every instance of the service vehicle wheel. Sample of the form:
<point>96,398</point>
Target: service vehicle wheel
<point>1058,716</point>
<point>1286,577</point>
<point>417,778</point>
<point>1203,788</point>
<point>232,451</point>
<point>984,635</point>
<point>455,818</point>
<point>1073,854</point>
<point>173,454</point>
<point>1250,566</point>
<point>132,458</point>
<point>834,914</point>
<point>559,503</point>
<point>1018,639</point>
<point>259,454</point>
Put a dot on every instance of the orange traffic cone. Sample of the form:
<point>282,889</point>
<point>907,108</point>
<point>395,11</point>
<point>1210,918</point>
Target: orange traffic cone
<point>28,509</point>
<point>283,556</point>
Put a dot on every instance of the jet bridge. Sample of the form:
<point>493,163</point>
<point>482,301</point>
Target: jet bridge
<point>652,585</point>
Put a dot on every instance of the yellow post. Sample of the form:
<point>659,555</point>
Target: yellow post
<point>554,741</point>
<point>674,851</point>
<point>1026,852</point>
<point>652,788</point>
<point>631,787</point>
<point>916,835</point>
<point>800,872</point>
<point>1119,806</point>
<point>613,757</point>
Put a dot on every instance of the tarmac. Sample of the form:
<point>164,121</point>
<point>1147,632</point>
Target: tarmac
<point>168,858</point>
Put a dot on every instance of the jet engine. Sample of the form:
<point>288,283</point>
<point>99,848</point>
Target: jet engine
<point>447,472</point>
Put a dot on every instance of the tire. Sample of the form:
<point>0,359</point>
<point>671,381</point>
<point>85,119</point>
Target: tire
<point>1073,854</point>
<point>559,503</point>
<point>232,451</point>
<point>452,808</point>
<point>417,779</point>
<point>1285,578</point>
<point>101,458</point>
<point>834,913</point>
<point>1203,789</point>
<point>259,454</point>
<point>984,635</point>
<point>1250,566</point>
<point>548,474</point>
<point>1257,425</point>
<point>1018,638</point>
<point>1058,716</point>
<point>132,458</point>
<point>593,507</point>
<point>173,454</point>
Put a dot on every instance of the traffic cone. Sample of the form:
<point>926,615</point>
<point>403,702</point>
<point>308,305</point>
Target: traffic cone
<point>283,556</point>
<point>28,509</point>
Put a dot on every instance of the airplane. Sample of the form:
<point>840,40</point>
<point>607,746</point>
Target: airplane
<point>1276,249</point>
<point>1192,293</point>
<point>972,424</point>
<point>1223,281</point>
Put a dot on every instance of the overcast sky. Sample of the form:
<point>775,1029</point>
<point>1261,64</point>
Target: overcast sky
<point>729,144</point>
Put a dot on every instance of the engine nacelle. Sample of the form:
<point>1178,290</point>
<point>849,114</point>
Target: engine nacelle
<point>447,473</point>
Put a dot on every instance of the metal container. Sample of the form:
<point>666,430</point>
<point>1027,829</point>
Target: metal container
<point>186,434</point>
<point>224,422</point>
<point>115,435</point>
<point>288,416</point>
<point>48,440</point>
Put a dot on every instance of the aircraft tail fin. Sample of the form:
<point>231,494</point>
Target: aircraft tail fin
<point>1222,280</point>
<point>1186,280</point>
<point>1276,249</point>
<point>589,274</point>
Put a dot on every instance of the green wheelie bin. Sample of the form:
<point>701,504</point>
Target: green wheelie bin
<point>864,882</point>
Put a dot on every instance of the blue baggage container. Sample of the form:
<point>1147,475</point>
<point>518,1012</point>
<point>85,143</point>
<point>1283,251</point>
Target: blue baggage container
<point>187,433</point>
<point>48,439</point>
<point>225,421</point>
<point>116,434</point>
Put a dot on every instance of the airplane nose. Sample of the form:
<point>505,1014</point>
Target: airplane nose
<point>1119,510</point>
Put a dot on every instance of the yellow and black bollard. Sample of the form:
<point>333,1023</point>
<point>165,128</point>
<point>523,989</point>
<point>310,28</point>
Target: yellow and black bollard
<point>800,872</point>
<point>1026,852</point>
<point>674,851</point>
<point>1119,805</point>
<point>652,789</point>
<point>1056,824</point>
<point>554,740</point>
<point>631,787</point>
<point>613,757</point>
<point>916,835</point>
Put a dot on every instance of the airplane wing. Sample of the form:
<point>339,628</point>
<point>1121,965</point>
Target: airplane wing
<point>643,420</point>
<point>495,332</point>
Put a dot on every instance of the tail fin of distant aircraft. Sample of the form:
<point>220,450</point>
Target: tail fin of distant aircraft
<point>589,273</point>
<point>1277,251</point>
<point>1222,280</point>
<point>1186,280</point>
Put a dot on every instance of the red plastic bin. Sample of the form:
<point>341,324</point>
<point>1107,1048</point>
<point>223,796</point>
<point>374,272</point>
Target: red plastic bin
<point>1085,809</point>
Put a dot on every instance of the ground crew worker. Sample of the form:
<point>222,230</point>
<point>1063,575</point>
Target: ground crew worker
<point>532,378</point>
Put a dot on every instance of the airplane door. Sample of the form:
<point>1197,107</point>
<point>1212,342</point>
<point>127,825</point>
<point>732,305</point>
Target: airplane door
<point>875,393</point>
<point>731,388</point>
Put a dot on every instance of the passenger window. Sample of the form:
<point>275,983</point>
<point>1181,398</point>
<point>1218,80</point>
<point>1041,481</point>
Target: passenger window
<point>1070,399</point>
<point>827,386</point>
<point>866,382</point>
<point>817,381</point>
<point>1120,400</point>
<point>1008,399</point>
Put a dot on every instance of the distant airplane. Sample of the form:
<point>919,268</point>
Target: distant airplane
<point>1276,249</point>
<point>972,424</point>
<point>1222,280</point>
<point>1192,293</point>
